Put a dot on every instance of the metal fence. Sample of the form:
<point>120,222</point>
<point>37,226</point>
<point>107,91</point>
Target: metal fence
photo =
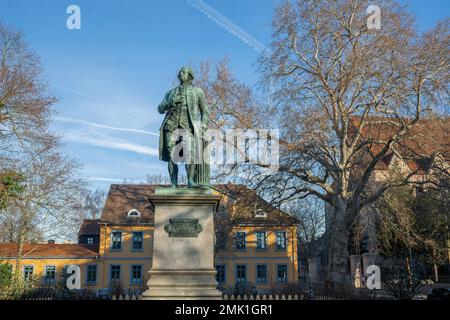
<point>245,297</point>
<point>258,297</point>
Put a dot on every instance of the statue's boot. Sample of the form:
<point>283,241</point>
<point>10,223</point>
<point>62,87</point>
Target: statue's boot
<point>192,184</point>
<point>173,173</point>
<point>190,169</point>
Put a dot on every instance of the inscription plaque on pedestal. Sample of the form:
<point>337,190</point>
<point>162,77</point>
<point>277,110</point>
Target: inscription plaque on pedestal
<point>183,228</point>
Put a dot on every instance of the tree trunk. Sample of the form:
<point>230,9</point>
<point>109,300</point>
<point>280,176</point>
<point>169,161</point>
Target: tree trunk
<point>436,273</point>
<point>18,257</point>
<point>338,273</point>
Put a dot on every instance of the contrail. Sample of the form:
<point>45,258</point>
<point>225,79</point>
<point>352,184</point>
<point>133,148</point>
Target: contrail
<point>110,143</point>
<point>102,179</point>
<point>74,91</point>
<point>228,25</point>
<point>99,125</point>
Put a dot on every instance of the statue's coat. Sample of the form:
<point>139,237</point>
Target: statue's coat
<point>197,110</point>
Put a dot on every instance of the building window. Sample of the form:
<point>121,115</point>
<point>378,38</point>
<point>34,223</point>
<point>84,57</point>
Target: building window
<point>220,275</point>
<point>90,240</point>
<point>281,240</point>
<point>137,240</point>
<point>240,240</point>
<point>282,273</point>
<point>136,274</point>
<point>49,276</point>
<point>92,274</point>
<point>261,273</point>
<point>260,240</point>
<point>114,275</point>
<point>133,213</point>
<point>260,213</point>
<point>116,240</point>
<point>28,272</point>
<point>241,273</point>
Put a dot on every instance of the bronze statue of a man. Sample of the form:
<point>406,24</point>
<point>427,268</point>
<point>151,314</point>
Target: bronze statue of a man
<point>187,118</point>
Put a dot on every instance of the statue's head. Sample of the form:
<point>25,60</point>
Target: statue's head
<point>186,75</point>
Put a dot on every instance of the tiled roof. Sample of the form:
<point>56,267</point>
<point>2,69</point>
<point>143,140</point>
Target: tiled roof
<point>124,197</point>
<point>247,202</point>
<point>48,250</point>
<point>243,203</point>
<point>89,227</point>
<point>426,139</point>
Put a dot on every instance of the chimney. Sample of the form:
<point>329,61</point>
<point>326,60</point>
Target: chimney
<point>51,241</point>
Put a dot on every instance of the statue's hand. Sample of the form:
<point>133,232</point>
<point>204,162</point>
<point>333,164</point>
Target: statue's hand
<point>177,100</point>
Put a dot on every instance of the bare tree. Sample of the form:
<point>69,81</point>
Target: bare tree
<point>51,203</point>
<point>49,197</point>
<point>160,179</point>
<point>94,201</point>
<point>25,103</point>
<point>311,216</point>
<point>336,80</point>
<point>344,97</point>
<point>232,103</point>
<point>414,223</point>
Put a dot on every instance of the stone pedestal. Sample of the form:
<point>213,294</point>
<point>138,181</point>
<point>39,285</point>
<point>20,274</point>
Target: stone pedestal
<point>183,246</point>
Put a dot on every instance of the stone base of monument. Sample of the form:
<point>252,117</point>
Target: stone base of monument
<point>183,245</point>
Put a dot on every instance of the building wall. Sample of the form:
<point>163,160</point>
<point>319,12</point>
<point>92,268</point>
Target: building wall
<point>252,256</point>
<point>126,257</point>
<point>39,264</point>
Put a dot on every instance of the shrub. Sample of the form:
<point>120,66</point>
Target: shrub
<point>287,289</point>
<point>116,289</point>
<point>245,288</point>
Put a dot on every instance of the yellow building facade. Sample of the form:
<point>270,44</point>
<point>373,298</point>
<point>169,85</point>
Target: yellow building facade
<point>116,250</point>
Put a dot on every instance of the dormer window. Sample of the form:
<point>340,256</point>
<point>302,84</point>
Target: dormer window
<point>133,213</point>
<point>260,213</point>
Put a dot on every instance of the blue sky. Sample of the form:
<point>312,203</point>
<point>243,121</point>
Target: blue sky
<point>111,75</point>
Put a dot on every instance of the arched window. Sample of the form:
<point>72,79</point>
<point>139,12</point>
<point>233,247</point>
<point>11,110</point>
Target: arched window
<point>260,213</point>
<point>133,213</point>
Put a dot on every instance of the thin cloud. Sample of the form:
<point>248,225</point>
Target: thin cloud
<point>102,126</point>
<point>105,179</point>
<point>109,143</point>
<point>228,25</point>
<point>79,93</point>
<point>112,180</point>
